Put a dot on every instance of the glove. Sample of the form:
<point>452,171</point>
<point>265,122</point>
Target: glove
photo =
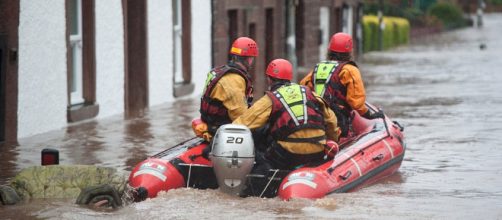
<point>373,115</point>
<point>199,128</point>
<point>207,136</point>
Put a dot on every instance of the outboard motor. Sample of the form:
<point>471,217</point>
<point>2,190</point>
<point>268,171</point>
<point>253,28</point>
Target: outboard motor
<point>233,157</point>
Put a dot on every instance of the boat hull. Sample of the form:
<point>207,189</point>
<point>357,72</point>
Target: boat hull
<point>375,154</point>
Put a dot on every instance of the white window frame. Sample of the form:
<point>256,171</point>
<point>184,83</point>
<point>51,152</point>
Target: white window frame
<point>76,83</point>
<point>324,29</point>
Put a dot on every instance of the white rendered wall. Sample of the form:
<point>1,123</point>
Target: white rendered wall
<point>160,51</point>
<point>42,97</point>
<point>109,57</point>
<point>201,44</point>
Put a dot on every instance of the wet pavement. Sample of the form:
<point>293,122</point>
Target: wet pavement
<point>445,89</point>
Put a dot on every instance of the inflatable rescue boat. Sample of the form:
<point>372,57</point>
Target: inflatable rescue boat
<point>374,150</point>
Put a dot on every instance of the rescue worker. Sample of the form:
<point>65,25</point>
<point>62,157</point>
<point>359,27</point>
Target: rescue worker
<point>299,121</point>
<point>339,82</point>
<point>228,91</point>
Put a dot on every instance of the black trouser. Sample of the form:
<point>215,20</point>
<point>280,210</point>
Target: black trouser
<point>285,160</point>
<point>275,157</point>
<point>343,120</point>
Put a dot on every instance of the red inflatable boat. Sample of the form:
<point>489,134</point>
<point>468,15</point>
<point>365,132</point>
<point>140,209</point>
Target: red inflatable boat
<point>376,150</point>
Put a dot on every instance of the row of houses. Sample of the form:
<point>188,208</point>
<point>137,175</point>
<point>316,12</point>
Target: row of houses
<point>64,61</point>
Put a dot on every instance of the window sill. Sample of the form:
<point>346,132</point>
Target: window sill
<point>183,89</point>
<point>82,112</point>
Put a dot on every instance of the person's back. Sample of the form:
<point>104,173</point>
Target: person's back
<point>228,90</point>
<point>339,82</point>
<point>297,124</point>
<point>299,121</point>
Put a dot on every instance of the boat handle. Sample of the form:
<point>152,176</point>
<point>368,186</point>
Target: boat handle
<point>346,175</point>
<point>378,157</point>
<point>401,128</point>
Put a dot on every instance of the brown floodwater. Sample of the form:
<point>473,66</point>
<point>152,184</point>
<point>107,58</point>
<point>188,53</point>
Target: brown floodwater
<point>444,89</point>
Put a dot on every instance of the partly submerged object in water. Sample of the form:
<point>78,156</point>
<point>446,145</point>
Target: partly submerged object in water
<point>62,181</point>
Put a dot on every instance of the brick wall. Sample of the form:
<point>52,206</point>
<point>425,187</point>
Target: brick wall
<point>235,18</point>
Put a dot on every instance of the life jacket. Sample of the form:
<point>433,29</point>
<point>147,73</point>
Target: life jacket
<point>294,107</point>
<point>212,111</point>
<point>326,82</point>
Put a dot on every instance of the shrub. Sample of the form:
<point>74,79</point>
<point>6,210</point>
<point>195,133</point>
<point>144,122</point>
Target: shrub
<point>495,2</point>
<point>396,32</point>
<point>370,33</point>
<point>414,15</point>
<point>450,15</point>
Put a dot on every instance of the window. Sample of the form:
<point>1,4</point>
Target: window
<point>81,60</point>
<point>300,32</point>
<point>359,30</point>
<point>269,35</point>
<point>323,31</point>
<point>75,59</point>
<point>337,20</point>
<point>182,43</point>
<point>178,39</point>
<point>232,28</point>
<point>347,19</point>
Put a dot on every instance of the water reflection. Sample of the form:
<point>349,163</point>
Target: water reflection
<point>138,135</point>
<point>82,142</point>
<point>8,161</point>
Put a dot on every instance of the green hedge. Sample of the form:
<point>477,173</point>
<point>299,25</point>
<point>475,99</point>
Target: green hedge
<point>495,2</point>
<point>449,14</point>
<point>396,32</point>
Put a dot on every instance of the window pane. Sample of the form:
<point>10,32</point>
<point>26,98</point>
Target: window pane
<point>178,41</point>
<point>74,15</point>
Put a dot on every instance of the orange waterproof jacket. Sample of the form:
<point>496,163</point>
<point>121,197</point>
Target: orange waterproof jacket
<point>350,77</point>
<point>231,91</point>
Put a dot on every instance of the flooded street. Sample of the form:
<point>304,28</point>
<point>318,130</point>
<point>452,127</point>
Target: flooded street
<point>444,89</point>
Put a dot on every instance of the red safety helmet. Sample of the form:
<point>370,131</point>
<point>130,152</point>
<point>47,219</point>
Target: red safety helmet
<point>341,43</point>
<point>280,69</point>
<point>244,46</point>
